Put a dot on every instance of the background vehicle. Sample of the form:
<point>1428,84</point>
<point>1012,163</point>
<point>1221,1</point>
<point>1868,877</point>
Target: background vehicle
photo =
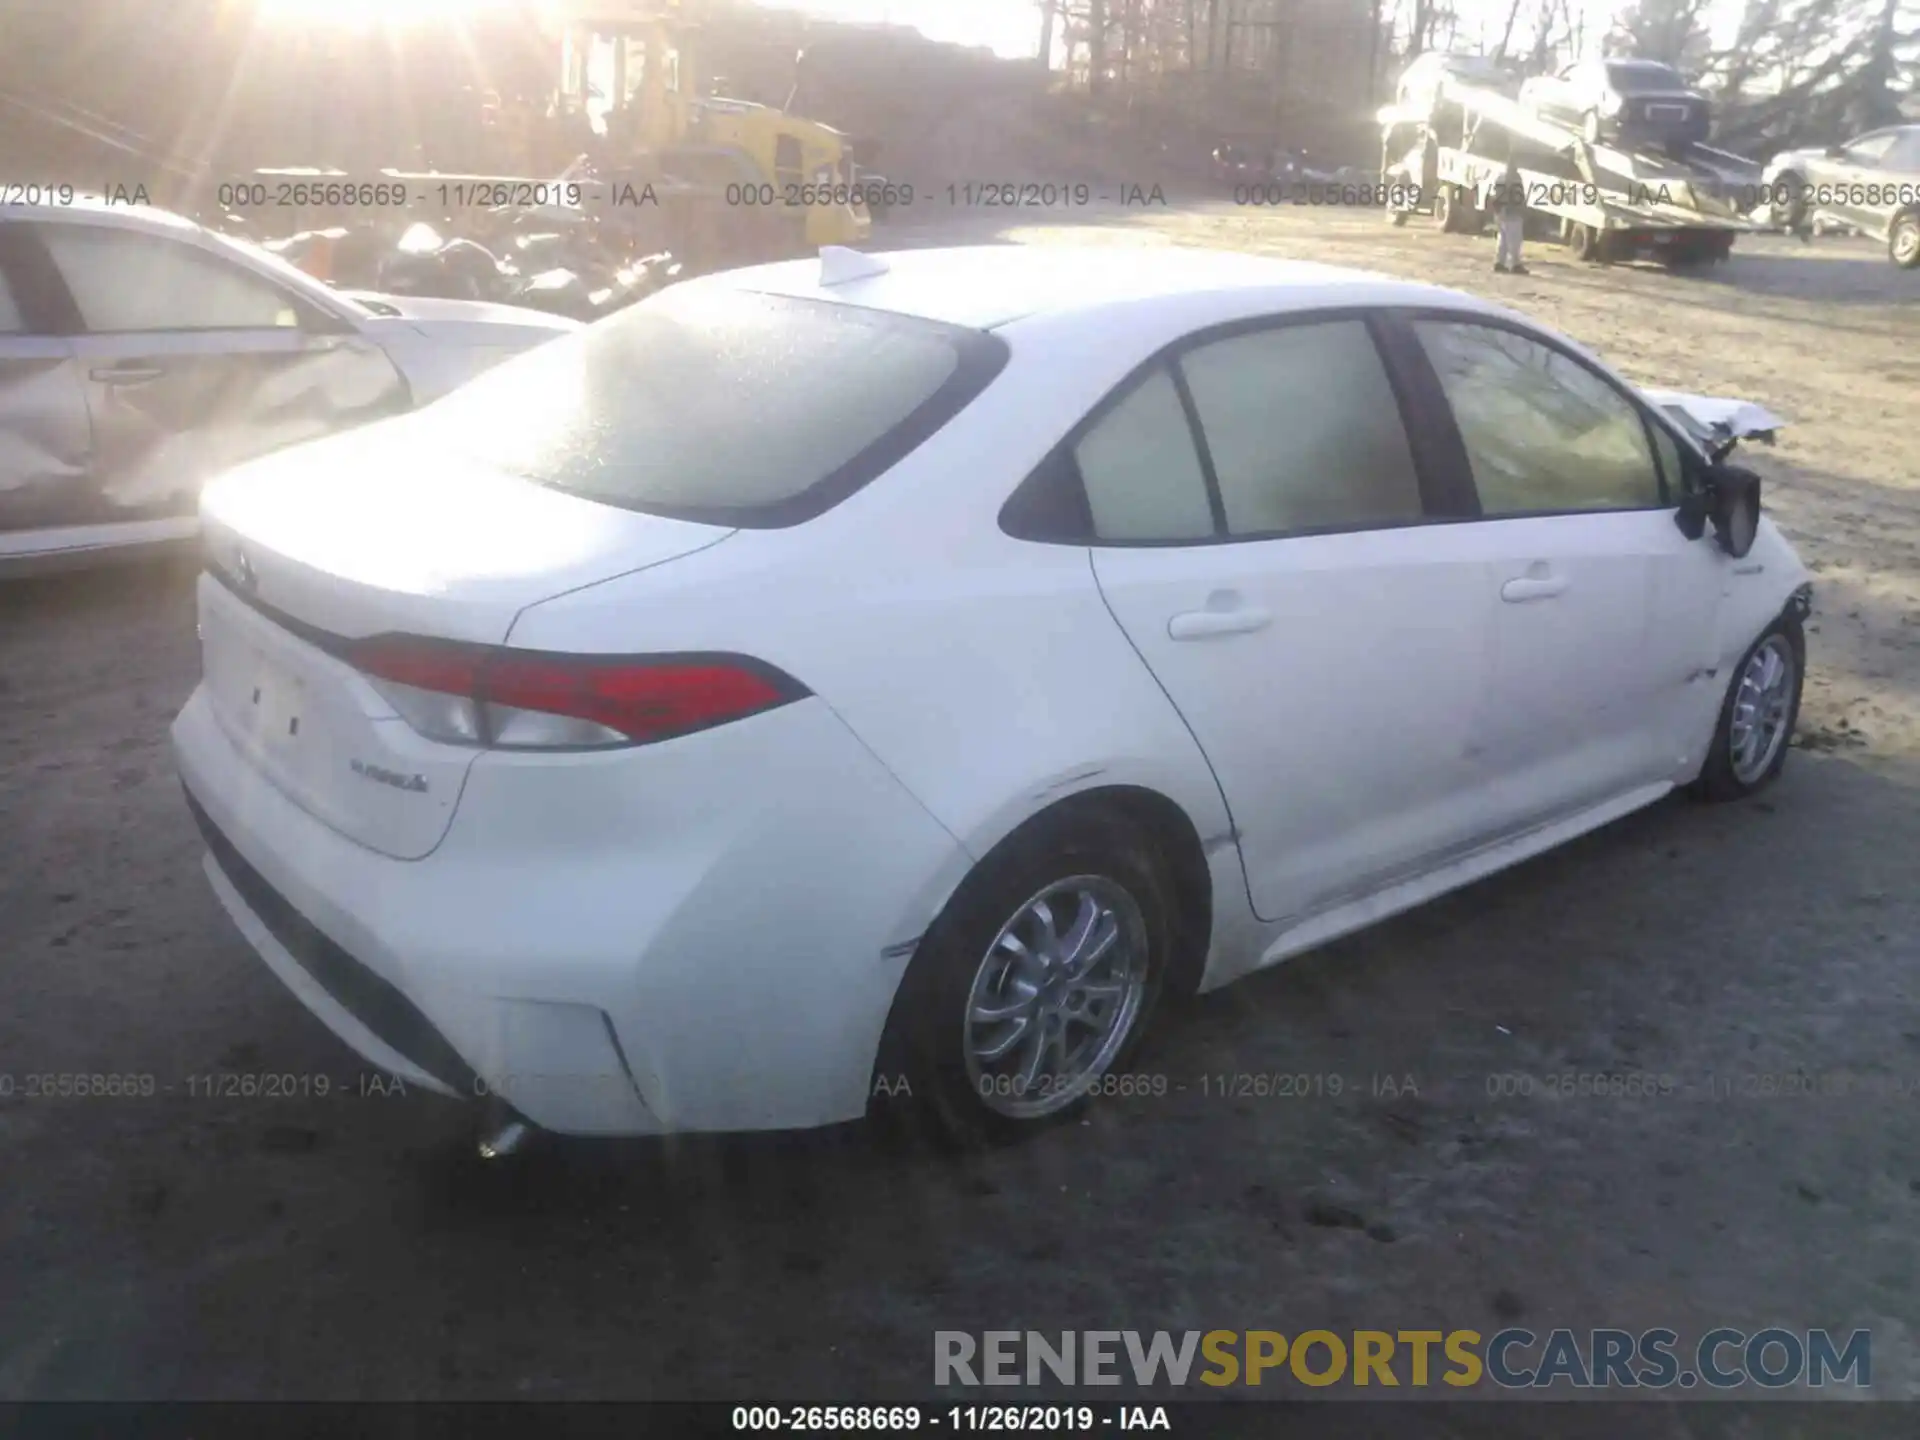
<point>1634,101</point>
<point>1871,183</point>
<point>1109,711</point>
<point>1420,82</point>
<point>1241,165</point>
<point>1683,207</point>
<point>738,181</point>
<point>141,353</point>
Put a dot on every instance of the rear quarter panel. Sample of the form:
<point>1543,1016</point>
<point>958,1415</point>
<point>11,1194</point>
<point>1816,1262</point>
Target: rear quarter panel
<point>984,672</point>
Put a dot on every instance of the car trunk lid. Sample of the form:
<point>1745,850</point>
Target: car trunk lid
<point>373,534</point>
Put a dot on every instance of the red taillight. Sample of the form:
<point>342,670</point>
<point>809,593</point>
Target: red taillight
<point>646,701</point>
<point>644,698</point>
<point>450,669</point>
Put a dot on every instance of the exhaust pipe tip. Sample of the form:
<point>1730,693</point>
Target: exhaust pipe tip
<point>503,1130</point>
<point>500,1142</point>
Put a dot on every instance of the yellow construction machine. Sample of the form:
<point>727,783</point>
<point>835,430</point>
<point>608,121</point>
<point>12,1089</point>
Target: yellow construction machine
<point>734,181</point>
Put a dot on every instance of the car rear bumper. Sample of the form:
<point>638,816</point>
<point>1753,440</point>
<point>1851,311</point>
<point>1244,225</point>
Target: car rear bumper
<point>611,945</point>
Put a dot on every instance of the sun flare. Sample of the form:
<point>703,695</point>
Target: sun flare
<point>362,13</point>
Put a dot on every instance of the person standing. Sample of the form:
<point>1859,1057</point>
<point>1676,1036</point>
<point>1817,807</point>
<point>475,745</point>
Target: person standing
<point>1510,219</point>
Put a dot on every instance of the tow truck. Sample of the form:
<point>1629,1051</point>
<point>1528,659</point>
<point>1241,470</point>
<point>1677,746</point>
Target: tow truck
<point>1441,151</point>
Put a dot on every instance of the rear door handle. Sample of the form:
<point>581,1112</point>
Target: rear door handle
<point>1204,624</point>
<point>126,374</point>
<point>1532,587</point>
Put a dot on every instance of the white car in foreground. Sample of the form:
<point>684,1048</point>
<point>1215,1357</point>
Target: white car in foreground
<point>141,353</point>
<point>898,673</point>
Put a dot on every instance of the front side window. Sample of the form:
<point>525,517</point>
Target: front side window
<point>1140,469</point>
<point>1672,465</point>
<point>1303,430</point>
<point>123,280</point>
<point>1544,434</point>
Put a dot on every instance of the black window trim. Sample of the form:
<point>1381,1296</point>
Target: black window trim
<point>1437,476</point>
<point>65,310</point>
<point>1649,414</point>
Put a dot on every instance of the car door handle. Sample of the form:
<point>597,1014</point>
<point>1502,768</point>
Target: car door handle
<point>1532,587</point>
<point>126,374</point>
<point>1205,624</point>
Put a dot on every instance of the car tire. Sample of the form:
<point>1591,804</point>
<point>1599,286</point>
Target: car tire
<point>1903,240</point>
<point>931,1080</point>
<point>1732,771</point>
<point>1592,129</point>
<point>1793,215</point>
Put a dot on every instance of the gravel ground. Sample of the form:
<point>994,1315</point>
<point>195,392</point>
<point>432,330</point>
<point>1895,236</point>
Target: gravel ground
<point>348,1248</point>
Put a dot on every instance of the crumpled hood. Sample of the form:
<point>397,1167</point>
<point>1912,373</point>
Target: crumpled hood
<point>1787,159</point>
<point>1709,415</point>
<point>475,321</point>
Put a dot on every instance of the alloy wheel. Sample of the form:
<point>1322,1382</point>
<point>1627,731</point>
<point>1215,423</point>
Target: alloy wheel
<point>1055,997</point>
<point>1762,707</point>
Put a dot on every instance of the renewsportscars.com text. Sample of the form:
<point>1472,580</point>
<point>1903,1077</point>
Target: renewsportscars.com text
<point>1513,1358</point>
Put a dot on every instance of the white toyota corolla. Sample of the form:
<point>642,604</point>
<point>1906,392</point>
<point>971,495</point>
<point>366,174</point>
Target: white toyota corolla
<point>900,672</point>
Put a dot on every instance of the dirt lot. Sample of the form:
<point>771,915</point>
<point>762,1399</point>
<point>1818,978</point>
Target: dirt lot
<point>184,1247</point>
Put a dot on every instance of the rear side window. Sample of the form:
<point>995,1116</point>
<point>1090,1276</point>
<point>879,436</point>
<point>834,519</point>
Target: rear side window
<point>721,406</point>
<point>1303,430</point>
<point>1141,471</point>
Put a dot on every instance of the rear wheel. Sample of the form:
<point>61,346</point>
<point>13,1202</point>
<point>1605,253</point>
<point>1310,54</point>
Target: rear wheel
<point>1591,128</point>
<point>1033,987</point>
<point>1757,718</point>
<point>1903,240</point>
<point>1585,241</point>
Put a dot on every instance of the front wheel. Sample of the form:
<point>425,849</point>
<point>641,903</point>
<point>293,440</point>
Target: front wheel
<point>1757,718</point>
<point>1591,127</point>
<point>1792,212</point>
<point>1035,983</point>
<point>1903,241</point>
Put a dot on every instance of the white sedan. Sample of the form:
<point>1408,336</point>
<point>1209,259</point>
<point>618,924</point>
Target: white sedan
<point>895,674</point>
<point>141,353</point>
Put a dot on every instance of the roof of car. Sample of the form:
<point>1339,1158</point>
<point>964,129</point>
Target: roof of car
<point>95,210</point>
<point>986,287</point>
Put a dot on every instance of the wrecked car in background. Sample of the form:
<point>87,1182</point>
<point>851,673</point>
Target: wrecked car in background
<point>141,354</point>
<point>1870,185</point>
<point>1624,100</point>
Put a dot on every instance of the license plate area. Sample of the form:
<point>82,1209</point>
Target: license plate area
<point>1666,112</point>
<point>307,724</point>
<point>279,700</point>
<point>265,701</point>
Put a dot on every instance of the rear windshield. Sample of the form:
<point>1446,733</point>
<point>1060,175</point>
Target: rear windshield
<point>721,406</point>
<point>1632,77</point>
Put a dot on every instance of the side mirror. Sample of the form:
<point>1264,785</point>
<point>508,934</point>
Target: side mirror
<point>1728,498</point>
<point>1733,504</point>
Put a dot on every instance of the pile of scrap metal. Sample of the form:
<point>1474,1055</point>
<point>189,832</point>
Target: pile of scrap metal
<point>578,265</point>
